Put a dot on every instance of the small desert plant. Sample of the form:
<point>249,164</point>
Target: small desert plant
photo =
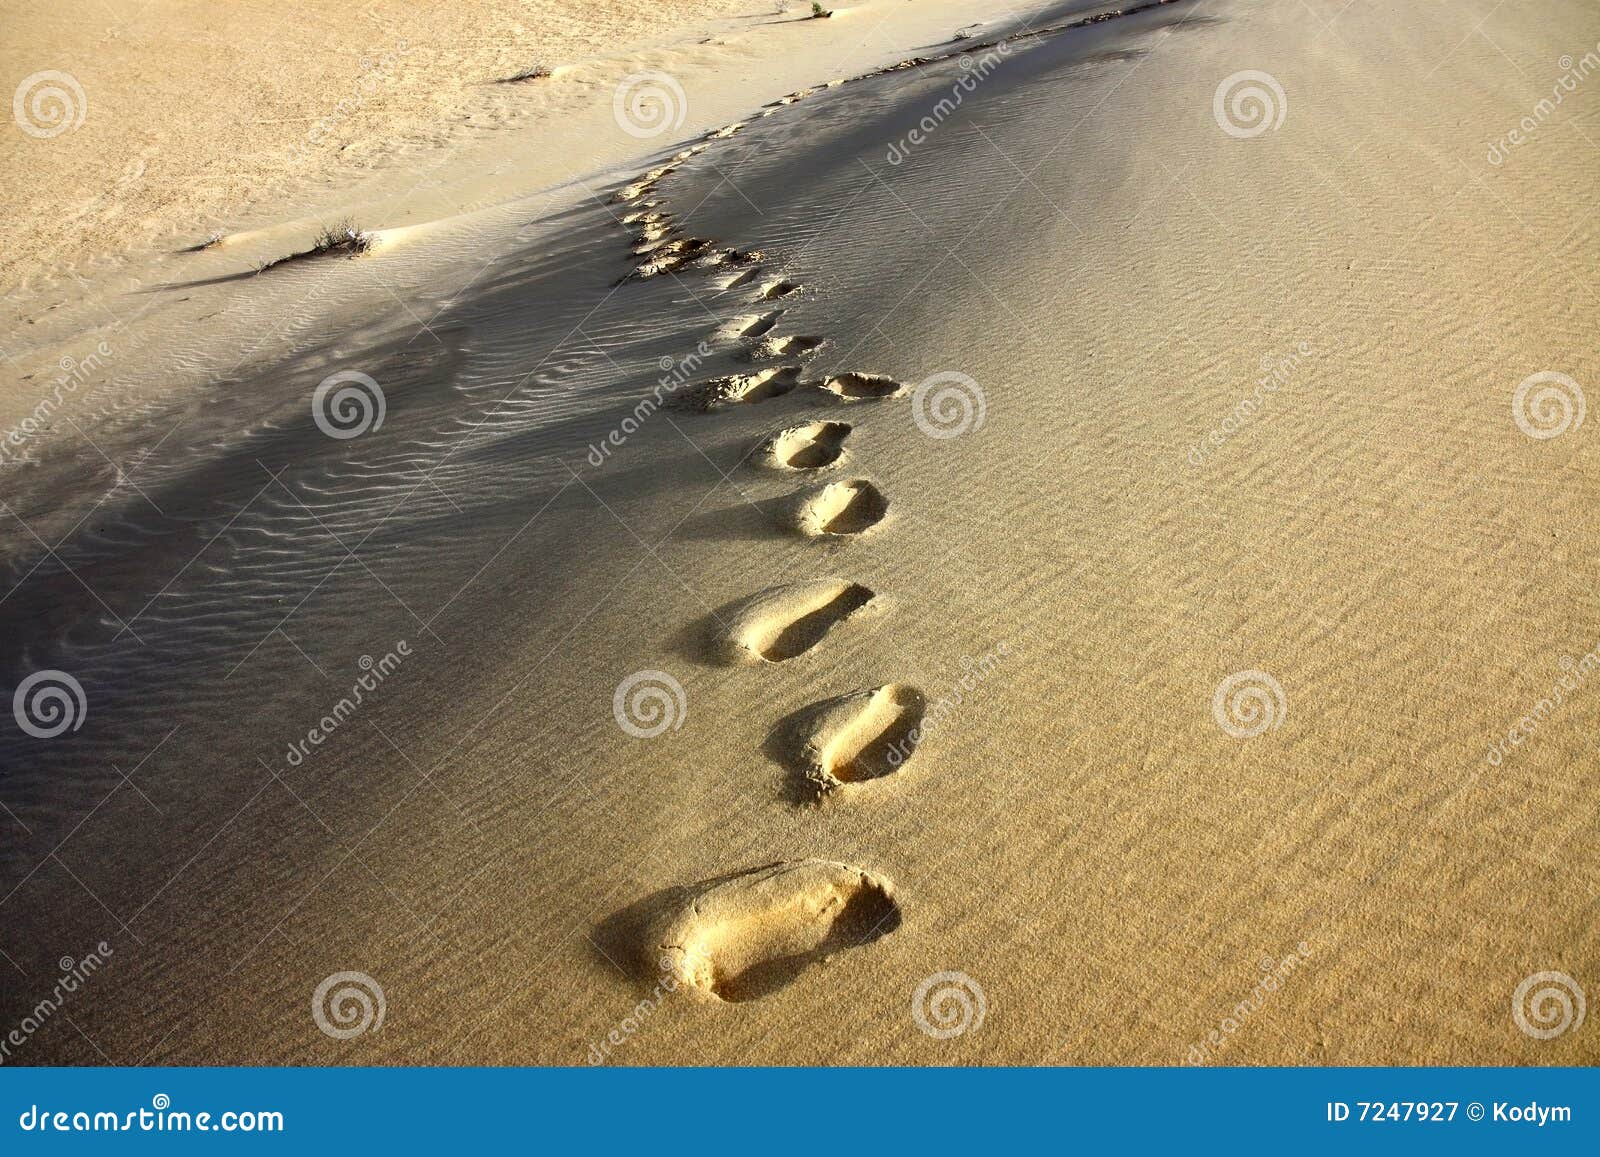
<point>341,238</point>
<point>818,12</point>
<point>537,72</point>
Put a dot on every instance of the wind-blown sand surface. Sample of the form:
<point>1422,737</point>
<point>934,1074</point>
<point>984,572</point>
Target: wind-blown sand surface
<point>1033,578</point>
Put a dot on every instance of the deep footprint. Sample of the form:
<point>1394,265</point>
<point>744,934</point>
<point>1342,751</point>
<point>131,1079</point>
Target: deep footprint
<point>839,508</point>
<point>785,622</point>
<point>852,738</point>
<point>862,387</point>
<point>812,446</point>
<point>781,288</point>
<point>753,326</point>
<point>747,935</point>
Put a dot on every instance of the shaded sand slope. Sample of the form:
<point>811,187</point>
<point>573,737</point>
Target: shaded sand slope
<point>1109,856</point>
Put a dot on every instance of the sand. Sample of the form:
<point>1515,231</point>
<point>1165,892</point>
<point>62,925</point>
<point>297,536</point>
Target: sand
<point>867,576</point>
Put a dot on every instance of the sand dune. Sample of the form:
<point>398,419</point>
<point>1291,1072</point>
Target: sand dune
<point>1216,506</point>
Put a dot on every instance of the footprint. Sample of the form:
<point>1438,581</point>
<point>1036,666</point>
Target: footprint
<point>747,935</point>
<point>751,325</point>
<point>853,738</point>
<point>742,277</point>
<point>737,388</point>
<point>722,257</point>
<point>787,621</point>
<point>670,256</point>
<point>794,346</point>
<point>652,238</point>
<point>862,387</point>
<point>648,212</point>
<point>724,131</point>
<point>809,447</point>
<point>633,191</point>
<point>779,288</point>
<point>839,508</point>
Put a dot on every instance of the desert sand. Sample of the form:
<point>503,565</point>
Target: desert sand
<point>945,534</point>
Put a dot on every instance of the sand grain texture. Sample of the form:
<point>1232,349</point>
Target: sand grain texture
<point>1233,415</point>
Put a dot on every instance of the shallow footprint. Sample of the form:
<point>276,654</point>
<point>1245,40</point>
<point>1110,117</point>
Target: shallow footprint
<point>839,508</point>
<point>740,278</point>
<point>854,387</point>
<point>734,389</point>
<point>855,737</point>
<point>795,346</point>
<point>811,446</point>
<point>787,621</point>
<point>747,935</point>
